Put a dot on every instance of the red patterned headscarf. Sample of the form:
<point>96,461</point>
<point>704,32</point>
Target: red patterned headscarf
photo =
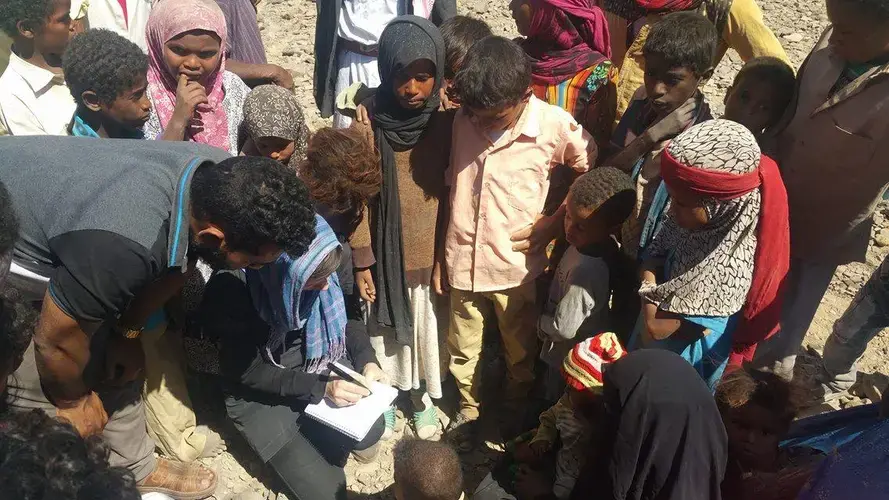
<point>565,37</point>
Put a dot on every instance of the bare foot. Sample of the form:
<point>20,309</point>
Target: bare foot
<point>214,445</point>
<point>179,480</point>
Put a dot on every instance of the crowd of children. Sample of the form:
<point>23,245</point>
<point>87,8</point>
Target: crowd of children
<point>476,191</point>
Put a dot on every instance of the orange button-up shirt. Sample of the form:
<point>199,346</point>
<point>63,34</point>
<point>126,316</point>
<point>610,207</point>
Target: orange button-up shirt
<point>499,188</point>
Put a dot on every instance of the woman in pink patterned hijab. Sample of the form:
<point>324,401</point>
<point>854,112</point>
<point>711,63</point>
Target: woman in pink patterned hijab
<point>193,97</point>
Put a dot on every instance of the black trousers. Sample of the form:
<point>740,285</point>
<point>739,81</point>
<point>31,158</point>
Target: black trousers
<point>310,466</point>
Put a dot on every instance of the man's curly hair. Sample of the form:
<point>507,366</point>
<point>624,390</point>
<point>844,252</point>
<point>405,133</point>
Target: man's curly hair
<point>17,321</point>
<point>104,62</point>
<point>42,458</point>
<point>256,201</point>
<point>14,11</point>
<point>9,223</point>
<point>341,170</point>
<point>607,191</point>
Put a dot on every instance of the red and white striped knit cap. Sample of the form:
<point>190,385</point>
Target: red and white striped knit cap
<point>583,366</point>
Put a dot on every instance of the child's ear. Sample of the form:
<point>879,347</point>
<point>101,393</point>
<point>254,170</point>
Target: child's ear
<point>91,101</point>
<point>528,94</point>
<point>26,28</point>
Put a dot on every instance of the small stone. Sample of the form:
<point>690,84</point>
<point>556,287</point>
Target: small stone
<point>288,52</point>
<point>794,37</point>
<point>882,239</point>
<point>286,16</point>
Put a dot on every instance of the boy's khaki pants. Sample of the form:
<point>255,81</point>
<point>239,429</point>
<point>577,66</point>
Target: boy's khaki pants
<point>517,314</point>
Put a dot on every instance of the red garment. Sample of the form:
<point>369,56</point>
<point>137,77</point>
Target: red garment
<point>565,37</point>
<point>126,17</point>
<point>761,314</point>
<point>654,6</point>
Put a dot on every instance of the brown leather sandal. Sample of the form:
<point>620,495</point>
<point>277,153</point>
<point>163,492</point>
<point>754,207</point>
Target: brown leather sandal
<point>179,480</point>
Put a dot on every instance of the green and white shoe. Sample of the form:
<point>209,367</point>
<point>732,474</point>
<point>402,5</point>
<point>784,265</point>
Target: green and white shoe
<point>426,422</point>
<point>389,416</point>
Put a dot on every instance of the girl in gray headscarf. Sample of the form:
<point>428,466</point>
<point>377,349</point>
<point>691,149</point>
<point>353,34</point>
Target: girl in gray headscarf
<point>275,125</point>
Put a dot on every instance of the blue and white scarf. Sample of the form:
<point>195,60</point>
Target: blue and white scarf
<point>278,295</point>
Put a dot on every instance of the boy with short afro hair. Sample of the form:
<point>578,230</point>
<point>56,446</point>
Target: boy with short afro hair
<point>505,144</point>
<point>427,470</point>
<point>33,96</point>
<point>598,203</point>
<point>678,59</point>
<point>106,74</point>
<point>760,94</point>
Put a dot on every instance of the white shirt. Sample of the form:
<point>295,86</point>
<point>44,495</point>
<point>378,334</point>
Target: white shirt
<point>108,14</point>
<point>363,21</point>
<point>33,100</point>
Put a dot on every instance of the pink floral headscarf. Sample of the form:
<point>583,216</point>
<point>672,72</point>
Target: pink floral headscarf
<point>168,19</point>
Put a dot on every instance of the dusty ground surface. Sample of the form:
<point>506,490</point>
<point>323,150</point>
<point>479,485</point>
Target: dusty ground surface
<point>288,31</point>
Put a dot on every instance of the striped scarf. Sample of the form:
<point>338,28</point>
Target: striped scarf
<point>279,297</point>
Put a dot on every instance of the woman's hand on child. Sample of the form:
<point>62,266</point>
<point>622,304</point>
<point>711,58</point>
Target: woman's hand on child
<point>364,111</point>
<point>280,77</point>
<point>341,392</point>
<point>673,124</point>
<point>365,282</point>
<point>189,95</point>
<point>541,448</point>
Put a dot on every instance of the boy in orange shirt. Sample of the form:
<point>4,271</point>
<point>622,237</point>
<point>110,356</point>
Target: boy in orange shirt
<point>505,145</point>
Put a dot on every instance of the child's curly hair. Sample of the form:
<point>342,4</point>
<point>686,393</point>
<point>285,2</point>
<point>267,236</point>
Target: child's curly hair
<point>41,457</point>
<point>341,169</point>
<point>745,386</point>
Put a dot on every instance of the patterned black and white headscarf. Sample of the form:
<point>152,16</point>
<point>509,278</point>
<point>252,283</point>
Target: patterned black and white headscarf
<point>711,269</point>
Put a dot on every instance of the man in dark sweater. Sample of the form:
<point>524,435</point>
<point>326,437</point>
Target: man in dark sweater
<point>108,229</point>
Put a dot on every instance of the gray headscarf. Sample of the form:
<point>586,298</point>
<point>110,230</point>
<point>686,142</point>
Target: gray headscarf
<point>272,111</point>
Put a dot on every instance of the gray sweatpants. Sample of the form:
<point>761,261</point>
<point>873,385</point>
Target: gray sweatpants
<point>125,433</point>
<point>864,319</point>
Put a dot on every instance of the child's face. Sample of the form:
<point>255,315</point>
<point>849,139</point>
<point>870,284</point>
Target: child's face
<point>414,84</point>
<point>521,13</point>
<point>689,213</point>
<point>856,37</point>
<point>753,436</point>
<point>497,119</point>
<point>588,404</point>
<point>275,148</point>
<point>52,37</point>
<point>194,54</point>
<point>668,87</point>
<point>129,109</point>
<point>752,103</point>
<point>582,228</point>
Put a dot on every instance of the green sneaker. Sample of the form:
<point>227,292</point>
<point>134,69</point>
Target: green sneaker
<point>389,416</point>
<point>426,422</point>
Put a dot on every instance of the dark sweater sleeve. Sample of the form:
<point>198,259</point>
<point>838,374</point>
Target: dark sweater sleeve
<point>227,313</point>
<point>358,345</point>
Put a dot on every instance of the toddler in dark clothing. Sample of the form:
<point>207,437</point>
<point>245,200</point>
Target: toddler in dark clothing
<point>427,470</point>
<point>757,409</point>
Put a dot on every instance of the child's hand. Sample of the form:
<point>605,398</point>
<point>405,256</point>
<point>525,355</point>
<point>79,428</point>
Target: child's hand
<point>440,283</point>
<point>189,95</point>
<point>673,124</point>
<point>365,282</point>
<point>534,238</point>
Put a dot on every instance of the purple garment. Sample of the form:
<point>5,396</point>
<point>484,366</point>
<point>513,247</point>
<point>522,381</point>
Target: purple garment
<point>244,43</point>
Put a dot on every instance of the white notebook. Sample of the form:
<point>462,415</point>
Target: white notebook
<point>355,421</point>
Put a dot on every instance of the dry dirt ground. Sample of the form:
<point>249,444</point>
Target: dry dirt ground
<point>288,31</point>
